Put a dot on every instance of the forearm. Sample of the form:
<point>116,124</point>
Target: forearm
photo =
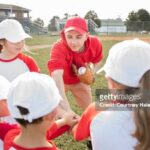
<point>60,122</point>
<point>64,105</point>
<point>58,77</point>
<point>96,67</point>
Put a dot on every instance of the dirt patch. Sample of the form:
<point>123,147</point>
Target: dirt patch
<point>104,38</point>
<point>110,38</point>
<point>36,47</point>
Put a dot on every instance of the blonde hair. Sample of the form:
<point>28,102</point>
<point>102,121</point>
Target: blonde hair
<point>142,118</point>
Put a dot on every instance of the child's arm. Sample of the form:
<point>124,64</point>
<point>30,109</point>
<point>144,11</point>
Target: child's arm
<point>57,75</point>
<point>96,67</point>
<point>61,126</point>
<point>68,119</point>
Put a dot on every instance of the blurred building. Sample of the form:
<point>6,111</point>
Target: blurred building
<point>22,15</point>
<point>112,26</point>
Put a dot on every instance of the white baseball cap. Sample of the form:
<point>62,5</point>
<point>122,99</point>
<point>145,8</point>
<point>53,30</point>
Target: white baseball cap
<point>127,62</point>
<point>4,87</point>
<point>34,91</point>
<point>12,31</point>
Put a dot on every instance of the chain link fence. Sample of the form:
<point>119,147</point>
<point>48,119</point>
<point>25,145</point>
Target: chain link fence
<point>138,26</point>
<point>119,26</point>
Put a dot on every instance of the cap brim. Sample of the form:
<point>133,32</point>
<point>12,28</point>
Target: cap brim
<point>74,28</point>
<point>18,38</point>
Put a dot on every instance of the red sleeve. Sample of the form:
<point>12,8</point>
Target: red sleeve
<point>54,131</point>
<point>57,57</point>
<point>5,127</point>
<point>30,62</point>
<point>97,50</point>
<point>9,138</point>
<point>81,130</point>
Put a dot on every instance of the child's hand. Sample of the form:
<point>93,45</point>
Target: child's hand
<point>71,119</point>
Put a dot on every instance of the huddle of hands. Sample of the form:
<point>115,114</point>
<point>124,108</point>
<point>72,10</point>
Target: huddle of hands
<point>69,118</point>
<point>86,76</point>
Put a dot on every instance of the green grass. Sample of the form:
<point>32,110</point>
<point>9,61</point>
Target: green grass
<point>41,40</point>
<point>66,141</point>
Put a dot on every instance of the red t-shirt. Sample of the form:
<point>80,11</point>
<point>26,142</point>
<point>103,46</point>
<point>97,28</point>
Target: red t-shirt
<point>9,132</point>
<point>20,64</point>
<point>62,57</point>
<point>8,142</point>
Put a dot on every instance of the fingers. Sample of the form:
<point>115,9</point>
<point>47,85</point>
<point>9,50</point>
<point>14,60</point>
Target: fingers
<point>89,65</point>
<point>71,118</point>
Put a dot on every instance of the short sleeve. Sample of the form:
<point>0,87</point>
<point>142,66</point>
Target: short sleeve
<point>57,57</point>
<point>30,62</point>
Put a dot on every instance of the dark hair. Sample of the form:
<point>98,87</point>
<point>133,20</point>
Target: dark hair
<point>142,118</point>
<point>1,47</point>
<point>25,111</point>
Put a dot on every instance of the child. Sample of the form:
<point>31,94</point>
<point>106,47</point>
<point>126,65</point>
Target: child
<point>35,110</point>
<point>4,112</point>
<point>4,86</point>
<point>75,47</point>
<point>128,69</point>
<point>12,61</point>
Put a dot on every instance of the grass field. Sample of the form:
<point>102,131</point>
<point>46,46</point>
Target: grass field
<point>66,142</point>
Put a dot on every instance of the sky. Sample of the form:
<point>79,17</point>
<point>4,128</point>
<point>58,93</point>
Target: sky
<point>105,9</point>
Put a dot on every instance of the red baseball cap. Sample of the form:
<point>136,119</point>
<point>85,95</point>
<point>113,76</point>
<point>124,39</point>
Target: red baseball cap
<point>76,23</point>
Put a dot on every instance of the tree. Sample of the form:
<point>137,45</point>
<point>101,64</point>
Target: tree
<point>138,21</point>
<point>68,15</point>
<point>93,15</point>
<point>53,26</point>
<point>75,15</point>
<point>144,18</point>
<point>98,22</point>
<point>39,22</point>
<point>132,16</point>
<point>131,21</point>
<point>143,15</point>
